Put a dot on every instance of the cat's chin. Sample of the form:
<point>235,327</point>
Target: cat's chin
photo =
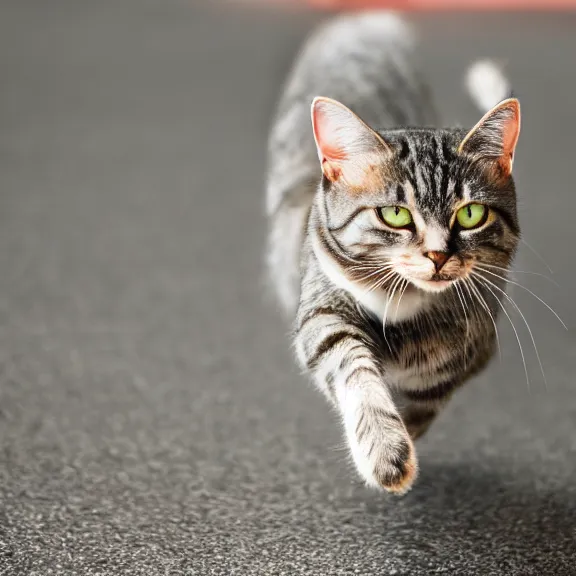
<point>434,286</point>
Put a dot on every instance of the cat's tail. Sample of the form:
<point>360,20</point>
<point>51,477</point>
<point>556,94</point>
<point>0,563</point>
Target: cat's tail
<point>487,84</point>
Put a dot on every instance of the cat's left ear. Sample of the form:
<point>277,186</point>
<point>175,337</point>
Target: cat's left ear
<point>348,148</point>
<point>495,136</point>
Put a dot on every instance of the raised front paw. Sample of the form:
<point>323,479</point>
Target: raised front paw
<point>382,449</point>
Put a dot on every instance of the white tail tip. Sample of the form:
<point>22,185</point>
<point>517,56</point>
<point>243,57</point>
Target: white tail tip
<point>487,84</point>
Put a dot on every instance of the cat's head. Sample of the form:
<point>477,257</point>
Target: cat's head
<point>428,206</point>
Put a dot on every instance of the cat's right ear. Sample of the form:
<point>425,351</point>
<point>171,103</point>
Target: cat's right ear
<point>494,138</point>
<point>347,147</point>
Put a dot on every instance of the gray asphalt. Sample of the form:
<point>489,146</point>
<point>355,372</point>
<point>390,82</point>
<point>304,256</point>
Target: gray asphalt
<point>152,420</point>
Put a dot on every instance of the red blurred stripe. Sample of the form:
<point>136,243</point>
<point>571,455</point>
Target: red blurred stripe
<point>435,4</point>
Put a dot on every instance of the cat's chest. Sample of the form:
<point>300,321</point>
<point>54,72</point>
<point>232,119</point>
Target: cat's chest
<point>421,354</point>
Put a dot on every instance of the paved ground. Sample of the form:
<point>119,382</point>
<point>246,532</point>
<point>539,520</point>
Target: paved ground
<point>151,418</point>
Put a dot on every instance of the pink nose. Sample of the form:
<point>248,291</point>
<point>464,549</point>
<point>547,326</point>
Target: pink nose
<point>439,258</point>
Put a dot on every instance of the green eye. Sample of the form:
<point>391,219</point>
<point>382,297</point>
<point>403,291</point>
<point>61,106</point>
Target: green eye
<point>472,215</point>
<point>395,216</point>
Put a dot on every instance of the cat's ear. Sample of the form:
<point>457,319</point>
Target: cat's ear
<point>495,136</point>
<point>347,147</point>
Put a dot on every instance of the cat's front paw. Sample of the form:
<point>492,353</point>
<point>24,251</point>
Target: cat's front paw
<point>383,451</point>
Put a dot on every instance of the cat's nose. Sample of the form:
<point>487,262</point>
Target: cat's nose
<point>439,258</point>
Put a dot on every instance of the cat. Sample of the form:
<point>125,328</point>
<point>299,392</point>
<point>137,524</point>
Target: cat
<point>389,241</point>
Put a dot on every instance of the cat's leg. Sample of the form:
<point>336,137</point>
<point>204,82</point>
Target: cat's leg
<point>343,360</point>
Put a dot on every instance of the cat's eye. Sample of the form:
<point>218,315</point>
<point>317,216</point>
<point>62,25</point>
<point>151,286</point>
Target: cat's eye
<point>395,216</point>
<point>472,216</point>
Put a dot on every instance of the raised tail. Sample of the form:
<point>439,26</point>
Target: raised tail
<point>487,84</point>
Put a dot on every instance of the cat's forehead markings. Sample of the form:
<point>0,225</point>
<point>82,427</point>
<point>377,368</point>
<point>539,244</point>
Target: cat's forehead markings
<point>420,183</point>
<point>466,193</point>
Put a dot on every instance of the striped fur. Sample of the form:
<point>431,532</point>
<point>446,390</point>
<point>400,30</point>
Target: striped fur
<point>386,336</point>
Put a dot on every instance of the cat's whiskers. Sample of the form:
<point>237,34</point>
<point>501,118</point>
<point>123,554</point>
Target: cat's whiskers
<point>403,290</point>
<point>386,279</point>
<point>374,272</point>
<point>467,333</point>
<point>523,288</point>
<point>471,309</point>
<point>511,300</point>
<point>469,296</point>
<point>370,265</point>
<point>374,267</point>
<point>460,297</point>
<point>514,271</point>
<point>469,283</point>
<point>481,280</point>
<point>537,254</point>
<point>379,283</point>
<point>390,298</point>
<point>367,262</point>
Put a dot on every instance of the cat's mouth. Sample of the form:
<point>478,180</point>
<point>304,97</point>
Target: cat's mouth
<point>438,283</point>
<point>422,275</point>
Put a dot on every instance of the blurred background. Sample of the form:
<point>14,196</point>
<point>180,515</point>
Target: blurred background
<point>152,420</point>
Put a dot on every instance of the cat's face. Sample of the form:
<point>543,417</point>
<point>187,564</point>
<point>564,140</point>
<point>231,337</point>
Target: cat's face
<point>430,207</point>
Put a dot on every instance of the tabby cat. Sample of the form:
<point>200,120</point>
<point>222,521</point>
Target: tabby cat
<point>391,252</point>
